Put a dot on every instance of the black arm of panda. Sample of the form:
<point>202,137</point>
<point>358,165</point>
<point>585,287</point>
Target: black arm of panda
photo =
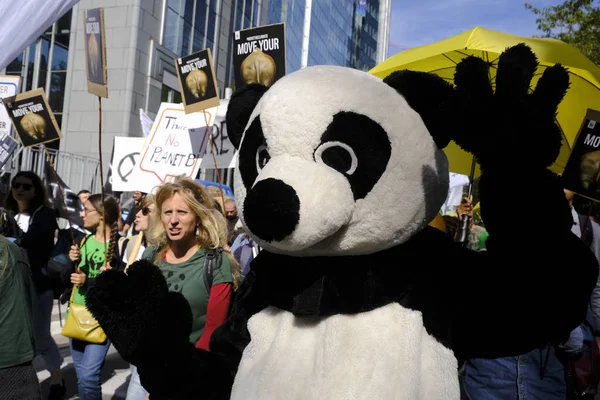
<point>149,326</point>
<point>528,289</point>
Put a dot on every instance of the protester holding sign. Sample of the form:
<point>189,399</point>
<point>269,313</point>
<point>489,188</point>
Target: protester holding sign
<point>28,200</point>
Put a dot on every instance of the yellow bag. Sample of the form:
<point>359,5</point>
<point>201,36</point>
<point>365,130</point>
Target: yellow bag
<point>81,325</point>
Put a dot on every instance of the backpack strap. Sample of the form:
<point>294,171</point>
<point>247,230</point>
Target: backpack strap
<point>123,241</point>
<point>211,258</point>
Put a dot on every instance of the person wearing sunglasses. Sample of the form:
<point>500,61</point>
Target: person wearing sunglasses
<point>28,201</point>
<point>144,219</point>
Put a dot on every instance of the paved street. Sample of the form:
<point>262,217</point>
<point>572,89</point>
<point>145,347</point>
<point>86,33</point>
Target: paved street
<point>115,375</point>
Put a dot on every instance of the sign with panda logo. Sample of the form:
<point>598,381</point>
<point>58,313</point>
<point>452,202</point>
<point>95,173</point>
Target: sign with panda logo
<point>259,55</point>
<point>95,52</point>
<point>582,172</point>
<point>197,81</point>
<point>32,118</point>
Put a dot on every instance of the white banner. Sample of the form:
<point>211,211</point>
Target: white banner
<point>126,155</point>
<point>9,86</point>
<point>146,122</point>
<point>24,21</point>
<point>221,145</point>
<point>175,146</point>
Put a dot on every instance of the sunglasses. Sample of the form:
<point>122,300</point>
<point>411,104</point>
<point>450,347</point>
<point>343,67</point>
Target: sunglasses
<point>26,186</point>
<point>145,211</point>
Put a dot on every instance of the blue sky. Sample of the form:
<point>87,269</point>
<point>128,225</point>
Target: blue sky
<point>419,22</point>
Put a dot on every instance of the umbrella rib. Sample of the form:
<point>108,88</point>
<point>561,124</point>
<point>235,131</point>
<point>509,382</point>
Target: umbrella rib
<point>451,60</point>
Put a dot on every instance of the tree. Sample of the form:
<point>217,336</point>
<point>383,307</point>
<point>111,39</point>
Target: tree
<point>576,22</point>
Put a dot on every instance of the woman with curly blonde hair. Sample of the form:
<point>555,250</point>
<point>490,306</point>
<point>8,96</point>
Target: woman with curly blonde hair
<point>189,228</point>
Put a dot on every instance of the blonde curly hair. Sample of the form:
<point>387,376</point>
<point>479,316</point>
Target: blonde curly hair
<point>212,227</point>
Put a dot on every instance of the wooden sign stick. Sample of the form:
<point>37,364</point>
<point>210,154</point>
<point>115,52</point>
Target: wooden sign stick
<point>101,174</point>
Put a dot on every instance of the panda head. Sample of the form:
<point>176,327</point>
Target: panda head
<point>336,161</point>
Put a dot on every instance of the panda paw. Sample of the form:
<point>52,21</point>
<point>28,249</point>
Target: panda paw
<point>515,124</point>
<point>133,308</point>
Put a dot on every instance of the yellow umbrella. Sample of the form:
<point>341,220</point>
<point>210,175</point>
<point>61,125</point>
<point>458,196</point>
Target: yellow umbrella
<point>441,58</point>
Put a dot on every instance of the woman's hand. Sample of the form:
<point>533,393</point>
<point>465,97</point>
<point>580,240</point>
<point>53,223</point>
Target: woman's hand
<point>78,278</point>
<point>105,267</point>
<point>466,207</point>
<point>74,253</point>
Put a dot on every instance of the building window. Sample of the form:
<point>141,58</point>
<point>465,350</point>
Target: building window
<point>185,26</point>
<point>169,95</point>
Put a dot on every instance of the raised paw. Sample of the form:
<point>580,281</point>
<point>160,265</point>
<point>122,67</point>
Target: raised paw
<point>515,125</point>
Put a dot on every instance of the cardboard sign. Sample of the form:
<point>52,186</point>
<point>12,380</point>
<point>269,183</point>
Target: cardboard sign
<point>9,87</point>
<point>95,52</point>
<point>126,154</point>
<point>582,172</point>
<point>259,55</point>
<point>197,81</point>
<point>174,148</point>
<point>32,118</point>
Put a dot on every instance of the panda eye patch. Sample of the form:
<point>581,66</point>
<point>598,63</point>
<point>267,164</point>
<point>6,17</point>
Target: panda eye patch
<point>338,156</point>
<point>356,146</point>
<point>262,157</point>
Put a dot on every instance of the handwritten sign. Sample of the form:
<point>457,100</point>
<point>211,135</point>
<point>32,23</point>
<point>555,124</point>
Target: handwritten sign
<point>177,143</point>
<point>221,145</point>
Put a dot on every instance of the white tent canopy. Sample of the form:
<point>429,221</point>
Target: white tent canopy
<point>22,22</point>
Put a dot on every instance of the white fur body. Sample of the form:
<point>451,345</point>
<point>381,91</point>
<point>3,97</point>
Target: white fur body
<point>384,354</point>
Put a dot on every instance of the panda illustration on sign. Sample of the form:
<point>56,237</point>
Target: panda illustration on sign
<point>354,296</point>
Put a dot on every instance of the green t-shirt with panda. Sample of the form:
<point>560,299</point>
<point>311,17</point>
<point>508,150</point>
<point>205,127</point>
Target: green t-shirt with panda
<point>92,259</point>
<point>187,278</point>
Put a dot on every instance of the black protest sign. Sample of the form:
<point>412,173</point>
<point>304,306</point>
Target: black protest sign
<point>582,172</point>
<point>95,51</point>
<point>197,81</point>
<point>259,55</point>
<point>32,118</point>
<point>7,147</point>
<point>71,207</point>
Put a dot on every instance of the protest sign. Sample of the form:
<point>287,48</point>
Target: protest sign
<point>126,154</point>
<point>197,81</point>
<point>259,55</point>
<point>9,87</point>
<point>8,145</point>
<point>177,142</point>
<point>582,172</point>
<point>32,118</point>
<point>95,52</point>
<point>146,122</point>
<point>222,146</point>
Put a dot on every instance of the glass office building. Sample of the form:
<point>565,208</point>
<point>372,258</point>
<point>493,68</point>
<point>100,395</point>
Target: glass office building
<point>144,37</point>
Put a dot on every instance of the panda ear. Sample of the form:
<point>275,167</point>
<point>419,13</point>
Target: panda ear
<point>240,107</point>
<point>429,95</point>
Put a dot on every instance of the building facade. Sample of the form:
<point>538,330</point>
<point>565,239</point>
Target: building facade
<point>143,37</point>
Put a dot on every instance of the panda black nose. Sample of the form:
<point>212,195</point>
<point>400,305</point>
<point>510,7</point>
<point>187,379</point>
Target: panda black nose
<point>272,209</point>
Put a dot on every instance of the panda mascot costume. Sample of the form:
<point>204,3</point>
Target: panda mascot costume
<point>354,296</point>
